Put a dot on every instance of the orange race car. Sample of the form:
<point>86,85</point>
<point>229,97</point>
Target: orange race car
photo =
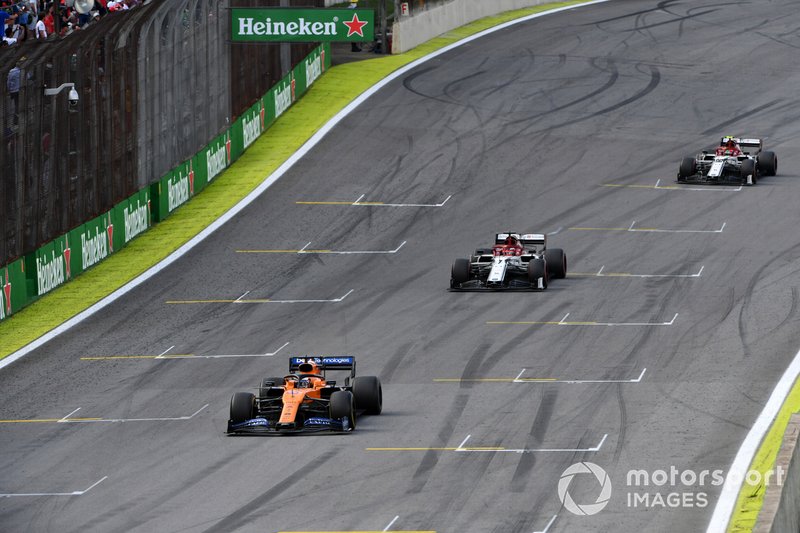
<point>305,400</point>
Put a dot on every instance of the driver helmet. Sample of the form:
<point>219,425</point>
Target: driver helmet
<point>729,142</point>
<point>511,240</point>
<point>304,383</point>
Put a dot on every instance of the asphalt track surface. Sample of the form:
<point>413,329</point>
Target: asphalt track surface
<point>563,125</point>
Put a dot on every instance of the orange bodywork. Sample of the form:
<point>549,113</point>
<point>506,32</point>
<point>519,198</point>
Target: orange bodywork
<point>294,396</point>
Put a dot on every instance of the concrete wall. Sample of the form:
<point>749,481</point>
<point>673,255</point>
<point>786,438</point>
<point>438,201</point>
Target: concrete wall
<point>781,510</point>
<point>410,32</point>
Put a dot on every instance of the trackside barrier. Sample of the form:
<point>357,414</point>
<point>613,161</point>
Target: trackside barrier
<point>781,508</point>
<point>410,32</point>
<point>55,263</point>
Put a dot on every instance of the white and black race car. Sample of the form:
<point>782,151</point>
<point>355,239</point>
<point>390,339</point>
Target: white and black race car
<point>515,262</point>
<point>735,161</point>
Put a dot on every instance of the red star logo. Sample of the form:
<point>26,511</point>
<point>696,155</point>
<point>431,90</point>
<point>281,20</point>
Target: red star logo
<point>67,253</point>
<point>191,179</point>
<point>7,291</point>
<point>355,26</point>
<point>110,230</point>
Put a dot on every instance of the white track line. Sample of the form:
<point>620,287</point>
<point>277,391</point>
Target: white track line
<point>520,379</point>
<point>162,354</point>
<point>269,181</point>
<point>600,274</point>
<point>461,448</point>
<point>547,527</point>
<point>741,463</point>
<point>391,523</point>
<point>73,493</point>
<point>358,202</point>
<point>655,230</point>
<point>350,252</point>
<point>162,419</point>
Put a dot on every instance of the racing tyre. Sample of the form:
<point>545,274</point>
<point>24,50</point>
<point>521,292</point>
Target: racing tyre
<point>536,271</point>
<point>460,272</point>
<point>768,163</point>
<point>265,387</point>
<point>687,168</point>
<point>368,394</point>
<point>341,406</point>
<point>556,262</point>
<point>748,169</point>
<point>242,406</point>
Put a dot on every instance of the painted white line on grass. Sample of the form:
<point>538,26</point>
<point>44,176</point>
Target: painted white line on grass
<point>73,493</point>
<point>269,181</point>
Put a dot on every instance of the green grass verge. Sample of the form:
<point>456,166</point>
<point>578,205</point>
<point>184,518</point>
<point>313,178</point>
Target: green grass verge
<point>751,497</point>
<point>338,87</point>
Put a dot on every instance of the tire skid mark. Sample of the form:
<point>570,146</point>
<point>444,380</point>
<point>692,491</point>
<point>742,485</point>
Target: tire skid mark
<point>241,517</point>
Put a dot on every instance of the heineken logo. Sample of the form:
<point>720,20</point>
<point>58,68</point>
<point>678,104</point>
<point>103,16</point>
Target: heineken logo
<point>177,192</point>
<point>251,129</point>
<point>49,272</point>
<point>313,70</point>
<point>283,99</point>
<point>216,161</point>
<point>93,248</point>
<point>301,25</point>
<point>136,220</point>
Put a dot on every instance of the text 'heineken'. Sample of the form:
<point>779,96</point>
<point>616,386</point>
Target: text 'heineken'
<point>301,25</point>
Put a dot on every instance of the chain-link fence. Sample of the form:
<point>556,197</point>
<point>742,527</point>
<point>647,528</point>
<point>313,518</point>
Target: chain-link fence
<point>155,84</point>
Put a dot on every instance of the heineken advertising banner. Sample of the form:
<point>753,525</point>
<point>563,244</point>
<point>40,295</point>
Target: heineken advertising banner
<point>67,256</point>
<point>301,25</point>
<point>13,293</point>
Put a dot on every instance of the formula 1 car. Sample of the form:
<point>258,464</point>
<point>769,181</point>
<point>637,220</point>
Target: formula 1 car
<point>305,400</point>
<point>515,262</point>
<point>735,161</point>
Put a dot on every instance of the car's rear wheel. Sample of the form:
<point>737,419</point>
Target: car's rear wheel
<point>341,406</point>
<point>536,272</point>
<point>460,271</point>
<point>242,404</point>
<point>748,170</point>
<point>368,394</point>
<point>688,168</point>
<point>556,262</point>
<point>768,163</point>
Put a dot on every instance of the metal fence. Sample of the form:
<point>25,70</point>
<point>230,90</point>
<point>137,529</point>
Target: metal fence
<point>155,84</point>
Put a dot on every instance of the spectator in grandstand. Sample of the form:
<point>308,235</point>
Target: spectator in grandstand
<point>41,29</point>
<point>5,16</point>
<point>9,38</point>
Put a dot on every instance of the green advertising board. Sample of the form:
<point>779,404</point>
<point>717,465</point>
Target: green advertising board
<point>278,24</point>
<point>13,294</point>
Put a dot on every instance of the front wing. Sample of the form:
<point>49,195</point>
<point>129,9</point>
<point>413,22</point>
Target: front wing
<point>262,426</point>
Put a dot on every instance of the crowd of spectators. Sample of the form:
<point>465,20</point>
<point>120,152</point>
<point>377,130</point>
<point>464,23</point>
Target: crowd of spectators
<point>46,19</point>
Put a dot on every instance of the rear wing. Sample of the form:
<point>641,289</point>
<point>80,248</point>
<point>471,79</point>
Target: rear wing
<point>325,362</point>
<point>749,146</point>
<point>527,239</point>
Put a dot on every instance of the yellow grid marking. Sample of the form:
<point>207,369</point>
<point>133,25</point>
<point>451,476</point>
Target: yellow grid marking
<point>283,251</point>
<point>111,357</point>
<point>180,302</point>
<point>340,203</point>
<point>488,380</point>
<point>45,420</point>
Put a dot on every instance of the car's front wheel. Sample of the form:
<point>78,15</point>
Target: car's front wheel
<point>242,404</point>
<point>341,407</point>
<point>537,273</point>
